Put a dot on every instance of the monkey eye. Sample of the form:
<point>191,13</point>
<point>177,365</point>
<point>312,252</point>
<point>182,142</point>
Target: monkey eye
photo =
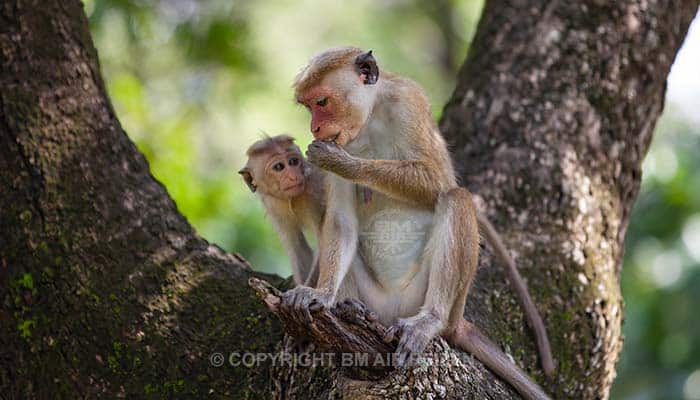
<point>322,101</point>
<point>294,161</point>
<point>278,167</point>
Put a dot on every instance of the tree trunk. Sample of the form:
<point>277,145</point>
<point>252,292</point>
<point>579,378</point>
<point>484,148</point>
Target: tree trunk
<point>553,114</point>
<point>106,290</point>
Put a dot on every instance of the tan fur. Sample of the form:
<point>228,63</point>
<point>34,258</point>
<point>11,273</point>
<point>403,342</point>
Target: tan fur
<point>277,143</point>
<point>398,154</point>
<point>291,215</point>
<point>426,169</point>
<point>322,64</point>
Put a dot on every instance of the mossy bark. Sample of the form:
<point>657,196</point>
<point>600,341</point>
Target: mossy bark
<point>107,291</point>
<point>553,114</point>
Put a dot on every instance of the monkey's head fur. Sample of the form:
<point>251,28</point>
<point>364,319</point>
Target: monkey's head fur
<point>338,87</point>
<point>275,167</point>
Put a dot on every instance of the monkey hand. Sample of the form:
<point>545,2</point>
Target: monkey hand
<point>303,300</point>
<point>414,335</point>
<point>333,158</point>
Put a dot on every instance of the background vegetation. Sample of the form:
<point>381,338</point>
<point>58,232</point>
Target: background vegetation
<point>195,82</point>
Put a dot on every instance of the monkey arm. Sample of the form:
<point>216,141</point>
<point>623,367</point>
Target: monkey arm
<point>339,233</point>
<point>406,180</point>
<point>296,247</point>
<point>413,181</point>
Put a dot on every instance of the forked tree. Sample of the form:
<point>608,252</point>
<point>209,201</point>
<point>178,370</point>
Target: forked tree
<point>106,290</point>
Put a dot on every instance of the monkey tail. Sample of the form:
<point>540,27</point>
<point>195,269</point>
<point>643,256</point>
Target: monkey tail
<point>533,316</point>
<point>468,338</point>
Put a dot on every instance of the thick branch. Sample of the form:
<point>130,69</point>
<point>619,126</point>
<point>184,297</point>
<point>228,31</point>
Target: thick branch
<point>553,113</point>
<point>349,327</point>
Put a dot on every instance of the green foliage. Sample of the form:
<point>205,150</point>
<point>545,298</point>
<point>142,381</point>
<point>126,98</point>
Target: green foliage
<point>662,268</point>
<point>195,82</point>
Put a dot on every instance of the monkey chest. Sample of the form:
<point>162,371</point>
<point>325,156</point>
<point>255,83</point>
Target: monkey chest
<point>392,237</point>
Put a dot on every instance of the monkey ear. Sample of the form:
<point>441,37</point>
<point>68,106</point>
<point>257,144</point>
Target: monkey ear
<point>248,178</point>
<point>367,66</point>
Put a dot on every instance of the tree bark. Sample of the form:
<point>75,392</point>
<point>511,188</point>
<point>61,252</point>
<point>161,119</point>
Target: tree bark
<point>106,290</point>
<point>553,114</point>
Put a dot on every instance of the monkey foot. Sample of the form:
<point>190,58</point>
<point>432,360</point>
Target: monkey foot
<point>414,334</point>
<point>353,310</point>
<point>302,301</point>
<point>349,327</point>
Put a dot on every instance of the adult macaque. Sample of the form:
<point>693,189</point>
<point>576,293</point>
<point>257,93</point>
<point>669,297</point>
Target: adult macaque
<point>292,192</point>
<point>389,165</point>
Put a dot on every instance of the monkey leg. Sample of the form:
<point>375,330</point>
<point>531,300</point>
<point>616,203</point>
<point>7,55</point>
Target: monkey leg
<point>311,280</point>
<point>450,258</point>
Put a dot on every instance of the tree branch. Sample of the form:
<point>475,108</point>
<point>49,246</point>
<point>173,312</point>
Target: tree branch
<point>349,327</point>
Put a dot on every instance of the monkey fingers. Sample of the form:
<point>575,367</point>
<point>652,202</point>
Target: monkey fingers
<point>411,345</point>
<point>290,302</point>
<point>415,334</point>
<point>352,310</point>
<point>392,333</point>
<point>302,301</point>
<point>316,305</point>
<point>329,156</point>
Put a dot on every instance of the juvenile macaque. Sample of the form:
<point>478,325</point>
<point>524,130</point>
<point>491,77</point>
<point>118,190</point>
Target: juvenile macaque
<point>389,165</point>
<point>292,192</point>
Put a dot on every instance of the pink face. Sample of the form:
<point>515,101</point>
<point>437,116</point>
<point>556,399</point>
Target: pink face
<point>288,171</point>
<point>331,115</point>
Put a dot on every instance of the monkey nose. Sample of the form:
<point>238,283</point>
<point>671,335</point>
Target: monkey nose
<point>316,129</point>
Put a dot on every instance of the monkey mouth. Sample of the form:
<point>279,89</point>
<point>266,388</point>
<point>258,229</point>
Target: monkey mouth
<point>297,186</point>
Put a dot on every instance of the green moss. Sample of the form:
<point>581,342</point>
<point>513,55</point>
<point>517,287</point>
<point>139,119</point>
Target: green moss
<point>48,271</point>
<point>174,387</point>
<point>150,389</point>
<point>25,327</point>
<point>26,281</point>
<point>113,364</point>
<point>252,320</point>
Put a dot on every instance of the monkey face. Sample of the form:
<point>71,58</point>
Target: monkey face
<point>340,106</point>
<point>275,167</point>
<point>284,174</point>
<point>339,87</point>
